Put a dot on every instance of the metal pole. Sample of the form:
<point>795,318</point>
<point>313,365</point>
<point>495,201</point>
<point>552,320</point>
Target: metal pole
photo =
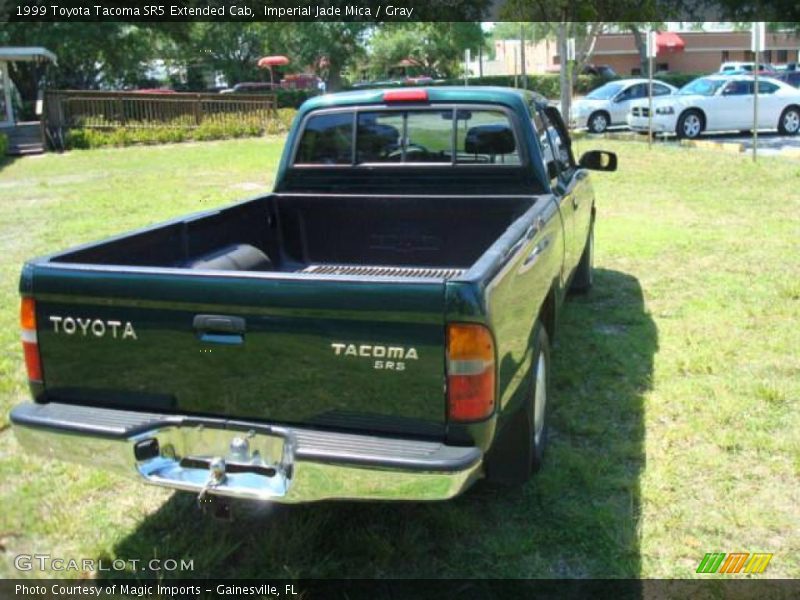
<point>755,104</point>
<point>524,71</point>
<point>757,45</point>
<point>650,100</point>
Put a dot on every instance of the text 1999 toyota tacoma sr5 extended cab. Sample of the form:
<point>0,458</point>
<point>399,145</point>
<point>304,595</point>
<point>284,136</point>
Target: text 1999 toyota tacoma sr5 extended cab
<point>377,328</point>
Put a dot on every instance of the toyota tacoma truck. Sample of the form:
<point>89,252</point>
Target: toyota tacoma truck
<point>379,327</point>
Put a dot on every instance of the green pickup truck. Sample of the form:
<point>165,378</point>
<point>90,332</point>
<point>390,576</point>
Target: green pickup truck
<point>379,327</point>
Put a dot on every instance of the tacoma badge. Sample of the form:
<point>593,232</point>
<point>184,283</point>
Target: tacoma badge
<point>388,358</point>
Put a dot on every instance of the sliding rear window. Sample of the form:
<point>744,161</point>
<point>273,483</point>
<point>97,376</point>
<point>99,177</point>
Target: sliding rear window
<point>420,136</point>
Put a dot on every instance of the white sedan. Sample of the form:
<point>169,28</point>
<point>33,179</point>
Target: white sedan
<point>610,104</point>
<point>721,103</point>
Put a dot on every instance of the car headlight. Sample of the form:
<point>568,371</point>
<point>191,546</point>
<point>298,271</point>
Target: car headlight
<point>665,110</point>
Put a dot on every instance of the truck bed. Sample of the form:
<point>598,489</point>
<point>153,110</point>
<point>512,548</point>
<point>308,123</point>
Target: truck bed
<point>403,236</point>
<point>326,311</point>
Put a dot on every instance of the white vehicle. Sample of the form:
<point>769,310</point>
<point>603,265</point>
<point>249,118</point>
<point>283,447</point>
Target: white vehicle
<point>721,103</point>
<point>609,104</point>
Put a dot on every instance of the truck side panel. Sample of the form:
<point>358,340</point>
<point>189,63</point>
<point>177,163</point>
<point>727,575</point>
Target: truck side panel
<point>520,271</point>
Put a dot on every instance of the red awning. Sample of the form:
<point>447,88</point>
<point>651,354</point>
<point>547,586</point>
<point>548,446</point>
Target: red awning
<point>667,41</point>
<point>272,61</point>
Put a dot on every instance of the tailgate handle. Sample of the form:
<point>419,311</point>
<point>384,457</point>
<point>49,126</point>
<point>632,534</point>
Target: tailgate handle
<point>218,324</point>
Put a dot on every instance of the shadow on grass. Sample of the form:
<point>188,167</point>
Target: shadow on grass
<point>579,517</point>
<point>6,161</point>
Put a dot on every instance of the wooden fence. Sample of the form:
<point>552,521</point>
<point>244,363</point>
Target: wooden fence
<point>68,109</point>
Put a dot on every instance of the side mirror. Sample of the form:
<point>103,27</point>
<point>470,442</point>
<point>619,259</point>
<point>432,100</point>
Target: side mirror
<point>598,160</point>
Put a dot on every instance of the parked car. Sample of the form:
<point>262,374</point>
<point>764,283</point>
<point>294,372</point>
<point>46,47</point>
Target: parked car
<point>739,68</point>
<point>721,103</point>
<point>379,327</point>
<point>252,87</point>
<point>302,81</point>
<point>604,71</point>
<point>609,104</point>
<point>790,77</point>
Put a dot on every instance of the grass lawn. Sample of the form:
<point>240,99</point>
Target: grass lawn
<point>675,417</point>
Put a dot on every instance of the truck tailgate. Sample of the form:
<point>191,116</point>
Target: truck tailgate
<point>335,352</point>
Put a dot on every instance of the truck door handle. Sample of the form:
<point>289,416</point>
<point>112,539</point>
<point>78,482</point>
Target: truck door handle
<point>536,252</point>
<point>219,329</point>
<point>531,232</point>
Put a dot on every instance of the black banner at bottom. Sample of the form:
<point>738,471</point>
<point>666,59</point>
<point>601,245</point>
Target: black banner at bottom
<point>417,589</point>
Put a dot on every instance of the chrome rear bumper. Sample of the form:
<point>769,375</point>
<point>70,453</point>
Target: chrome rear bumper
<point>246,460</point>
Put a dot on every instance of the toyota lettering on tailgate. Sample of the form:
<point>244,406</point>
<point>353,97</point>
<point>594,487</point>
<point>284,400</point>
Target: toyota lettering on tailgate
<point>95,327</point>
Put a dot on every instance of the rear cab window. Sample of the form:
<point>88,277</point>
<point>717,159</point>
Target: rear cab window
<point>439,136</point>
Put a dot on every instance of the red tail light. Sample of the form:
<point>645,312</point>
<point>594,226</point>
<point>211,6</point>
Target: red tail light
<point>30,344</point>
<point>470,372</point>
<point>412,95</point>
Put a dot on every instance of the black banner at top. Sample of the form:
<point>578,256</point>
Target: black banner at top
<point>397,10</point>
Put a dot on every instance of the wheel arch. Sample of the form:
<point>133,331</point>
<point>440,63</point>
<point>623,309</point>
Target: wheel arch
<point>795,106</point>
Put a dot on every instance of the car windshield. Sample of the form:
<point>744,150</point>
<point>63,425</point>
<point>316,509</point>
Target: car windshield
<point>605,92</point>
<point>701,87</point>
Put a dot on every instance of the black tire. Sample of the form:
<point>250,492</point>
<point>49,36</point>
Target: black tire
<point>690,125</point>
<point>789,123</point>
<point>598,122</point>
<point>519,451</point>
<point>583,278</point>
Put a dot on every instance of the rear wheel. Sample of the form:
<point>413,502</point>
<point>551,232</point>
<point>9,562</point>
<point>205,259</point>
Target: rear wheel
<point>519,451</point>
<point>583,279</point>
<point>598,122</point>
<point>690,125</point>
<point>789,123</point>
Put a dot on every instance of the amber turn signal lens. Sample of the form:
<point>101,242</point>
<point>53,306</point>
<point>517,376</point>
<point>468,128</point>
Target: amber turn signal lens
<point>467,341</point>
<point>27,314</point>
<point>470,372</point>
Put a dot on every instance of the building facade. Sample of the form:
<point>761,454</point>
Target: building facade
<point>703,52</point>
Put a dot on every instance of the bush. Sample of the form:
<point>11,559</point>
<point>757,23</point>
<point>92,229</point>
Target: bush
<point>3,146</point>
<point>228,126</point>
<point>293,98</point>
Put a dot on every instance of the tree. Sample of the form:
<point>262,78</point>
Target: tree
<point>232,49</point>
<point>102,55</point>
<point>327,46</point>
<point>639,29</point>
<point>436,48</point>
